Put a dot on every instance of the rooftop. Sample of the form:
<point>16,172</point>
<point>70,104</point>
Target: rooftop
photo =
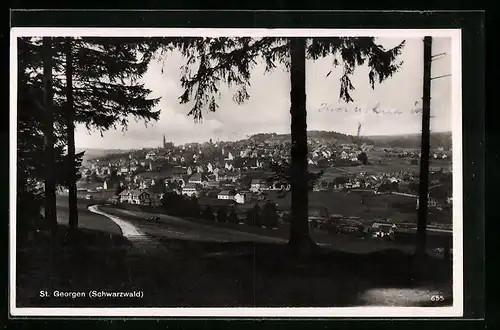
<point>189,186</point>
<point>227,193</point>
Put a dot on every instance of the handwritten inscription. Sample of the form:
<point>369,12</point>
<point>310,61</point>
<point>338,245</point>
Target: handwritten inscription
<point>377,110</point>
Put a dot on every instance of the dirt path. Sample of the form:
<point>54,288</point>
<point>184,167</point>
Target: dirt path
<point>179,228</point>
<point>141,242</point>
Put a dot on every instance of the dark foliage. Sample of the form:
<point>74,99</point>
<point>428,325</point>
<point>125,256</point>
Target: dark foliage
<point>282,175</point>
<point>363,158</point>
<point>233,217</point>
<point>222,214</point>
<point>194,207</point>
<point>106,87</point>
<point>270,214</point>
<point>119,190</point>
<point>208,213</point>
<point>253,216</point>
<point>211,62</point>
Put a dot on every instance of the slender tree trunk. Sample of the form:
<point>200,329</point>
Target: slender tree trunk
<point>425,150</point>
<point>300,240</point>
<point>50,186</point>
<point>70,127</point>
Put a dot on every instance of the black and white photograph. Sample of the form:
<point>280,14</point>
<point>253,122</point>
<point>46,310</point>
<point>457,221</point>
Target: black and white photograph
<point>235,172</point>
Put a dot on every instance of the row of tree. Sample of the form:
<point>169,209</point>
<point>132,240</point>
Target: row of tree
<point>67,81</point>
<point>184,206</point>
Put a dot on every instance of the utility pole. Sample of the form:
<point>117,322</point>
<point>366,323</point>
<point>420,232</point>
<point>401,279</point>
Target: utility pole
<point>425,150</point>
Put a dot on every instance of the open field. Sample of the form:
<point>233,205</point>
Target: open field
<point>167,225</point>
<point>86,219</point>
<point>389,165</point>
<point>96,195</point>
<point>367,206</point>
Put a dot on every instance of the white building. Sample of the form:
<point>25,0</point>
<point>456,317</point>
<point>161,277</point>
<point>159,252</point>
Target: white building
<point>190,190</point>
<point>239,198</point>
<point>210,168</point>
<point>226,195</point>
<point>150,155</point>
<point>431,202</point>
<point>258,185</point>
<point>135,197</point>
<point>105,170</point>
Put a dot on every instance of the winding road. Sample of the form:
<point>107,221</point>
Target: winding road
<point>134,223</point>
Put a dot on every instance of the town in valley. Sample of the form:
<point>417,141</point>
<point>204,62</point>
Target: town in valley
<point>368,189</point>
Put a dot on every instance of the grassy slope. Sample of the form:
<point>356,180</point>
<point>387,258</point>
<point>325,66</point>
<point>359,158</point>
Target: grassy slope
<point>204,274</point>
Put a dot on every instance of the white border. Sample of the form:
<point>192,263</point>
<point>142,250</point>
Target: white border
<point>452,311</point>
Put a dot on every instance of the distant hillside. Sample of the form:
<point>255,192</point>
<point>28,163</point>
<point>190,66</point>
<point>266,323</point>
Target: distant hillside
<point>327,135</point>
<point>92,153</point>
<point>437,139</point>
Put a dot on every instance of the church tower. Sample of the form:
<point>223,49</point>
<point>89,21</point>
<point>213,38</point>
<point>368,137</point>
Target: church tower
<point>164,142</point>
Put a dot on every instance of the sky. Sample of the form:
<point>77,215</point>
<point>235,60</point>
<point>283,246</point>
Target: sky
<point>268,108</point>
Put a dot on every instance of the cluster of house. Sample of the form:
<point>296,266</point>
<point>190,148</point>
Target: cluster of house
<point>218,184</point>
<point>365,180</point>
<point>439,153</point>
<point>218,170</point>
<point>327,153</point>
<point>351,225</point>
<point>231,156</point>
<point>224,187</point>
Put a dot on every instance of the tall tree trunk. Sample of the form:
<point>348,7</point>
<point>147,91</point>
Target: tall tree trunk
<point>425,150</point>
<point>70,128</point>
<point>300,240</point>
<point>50,186</point>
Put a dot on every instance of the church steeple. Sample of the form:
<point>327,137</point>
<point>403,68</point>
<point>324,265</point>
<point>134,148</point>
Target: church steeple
<point>164,142</point>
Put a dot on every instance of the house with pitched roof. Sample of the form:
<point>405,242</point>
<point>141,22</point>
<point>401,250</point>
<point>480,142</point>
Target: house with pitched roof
<point>239,198</point>
<point>383,229</point>
<point>135,196</point>
<point>198,179</point>
<point>257,185</point>
<point>226,194</point>
<point>190,190</point>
